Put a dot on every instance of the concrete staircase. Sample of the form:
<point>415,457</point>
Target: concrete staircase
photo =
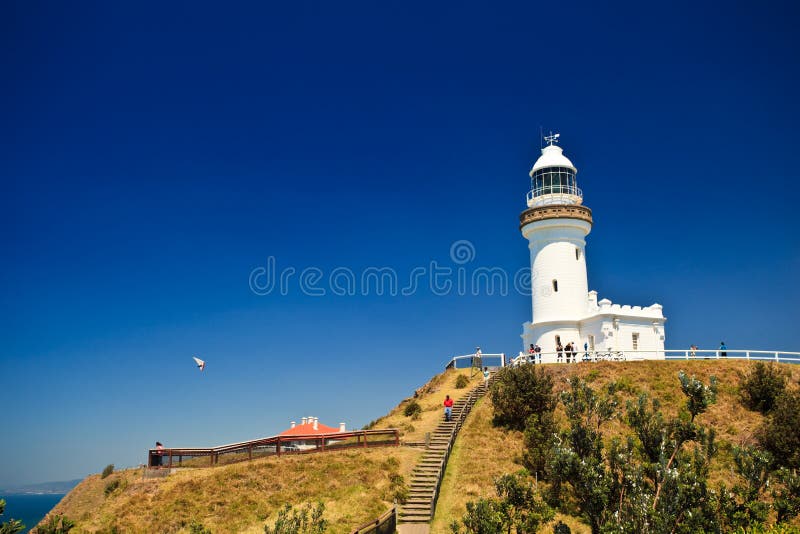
<point>417,512</point>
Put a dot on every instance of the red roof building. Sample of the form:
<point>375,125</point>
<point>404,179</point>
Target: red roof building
<point>311,426</point>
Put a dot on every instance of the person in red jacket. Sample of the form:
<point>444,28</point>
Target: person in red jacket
<point>448,408</point>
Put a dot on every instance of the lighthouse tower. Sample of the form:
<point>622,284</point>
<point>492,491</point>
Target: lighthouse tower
<point>556,224</point>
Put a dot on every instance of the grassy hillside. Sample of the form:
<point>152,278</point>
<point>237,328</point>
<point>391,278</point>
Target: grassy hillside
<point>242,497</point>
<point>355,485</point>
<point>484,452</point>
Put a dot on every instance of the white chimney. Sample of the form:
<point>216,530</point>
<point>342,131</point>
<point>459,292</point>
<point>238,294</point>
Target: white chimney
<point>293,424</point>
<point>316,423</point>
<point>341,427</point>
<point>304,419</point>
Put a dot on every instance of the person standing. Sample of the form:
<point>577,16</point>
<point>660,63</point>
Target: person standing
<point>586,351</point>
<point>448,408</point>
<point>159,453</point>
<point>693,351</point>
<point>486,376</point>
<point>559,352</point>
<point>538,351</point>
<point>723,349</point>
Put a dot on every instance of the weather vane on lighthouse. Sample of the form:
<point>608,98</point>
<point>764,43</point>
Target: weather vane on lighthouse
<point>552,138</point>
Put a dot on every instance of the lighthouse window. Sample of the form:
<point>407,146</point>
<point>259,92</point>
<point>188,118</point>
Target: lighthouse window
<point>553,180</point>
<point>577,253</point>
<point>555,286</point>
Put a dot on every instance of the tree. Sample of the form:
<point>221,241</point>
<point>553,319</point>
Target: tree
<point>12,526</point>
<point>308,520</point>
<point>578,459</point>
<point>519,392</point>
<point>645,483</point>
<point>698,396</point>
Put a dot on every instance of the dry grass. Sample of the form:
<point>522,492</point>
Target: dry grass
<point>241,498</point>
<point>483,452</point>
<point>430,397</point>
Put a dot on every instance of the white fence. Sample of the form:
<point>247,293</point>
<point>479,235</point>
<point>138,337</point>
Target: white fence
<point>501,360</point>
<point>486,360</point>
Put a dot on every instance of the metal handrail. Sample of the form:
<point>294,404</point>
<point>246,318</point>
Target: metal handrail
<point>666,354</point>
<point>555,190</point>
<point>453,363</point>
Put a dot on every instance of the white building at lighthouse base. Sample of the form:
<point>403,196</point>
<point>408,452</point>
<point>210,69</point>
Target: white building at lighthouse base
<point>605,327</point>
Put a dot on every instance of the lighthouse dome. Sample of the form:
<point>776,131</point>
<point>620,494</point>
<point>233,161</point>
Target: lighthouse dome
<point>553,178</point>
<point>552,156</point>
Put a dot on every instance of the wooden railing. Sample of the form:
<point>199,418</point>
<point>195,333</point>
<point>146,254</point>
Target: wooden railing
<point>272,446</point>
<point>385,524</point>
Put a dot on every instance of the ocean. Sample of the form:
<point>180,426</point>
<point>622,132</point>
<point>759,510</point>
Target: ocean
<point>30,509</point>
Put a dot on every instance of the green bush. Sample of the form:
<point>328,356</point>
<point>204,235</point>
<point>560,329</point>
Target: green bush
<point>111,487</point>
<point>57,524</point>
<point>462,381</point>
<point>539,438</point>
<point>398,488</point>
<point>412,409</point>
<point>517,508</point>
<point>780,434</point>
<point>761,387</point>
<point>520,392</point>
<point>195,527</point>
<point>304,521</point>
<point>107,471</point>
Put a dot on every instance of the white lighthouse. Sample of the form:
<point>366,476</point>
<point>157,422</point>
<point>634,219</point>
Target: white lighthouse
<point>556,224</point>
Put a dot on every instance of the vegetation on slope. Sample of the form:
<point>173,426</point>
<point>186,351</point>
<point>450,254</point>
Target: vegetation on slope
<point>484,451</point>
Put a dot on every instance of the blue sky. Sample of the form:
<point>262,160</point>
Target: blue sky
<point>152,156</point>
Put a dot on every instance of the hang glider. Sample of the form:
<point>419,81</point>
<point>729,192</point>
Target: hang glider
<point>200,363</point>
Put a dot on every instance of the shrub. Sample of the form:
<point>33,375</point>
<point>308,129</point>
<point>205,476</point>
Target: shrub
<point>520,392</point>
<point>780,434</point>
<point>305,521</point>
<point>412,409</point>
<point>397,488</point>
<point>111,487</point>
<point>107,471</point>
<point>195,527</point>
<point>539,438</point>
<point>57,524</point>
<point>461,382</point>
<point>761,387</point>
<point>517,508</point>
